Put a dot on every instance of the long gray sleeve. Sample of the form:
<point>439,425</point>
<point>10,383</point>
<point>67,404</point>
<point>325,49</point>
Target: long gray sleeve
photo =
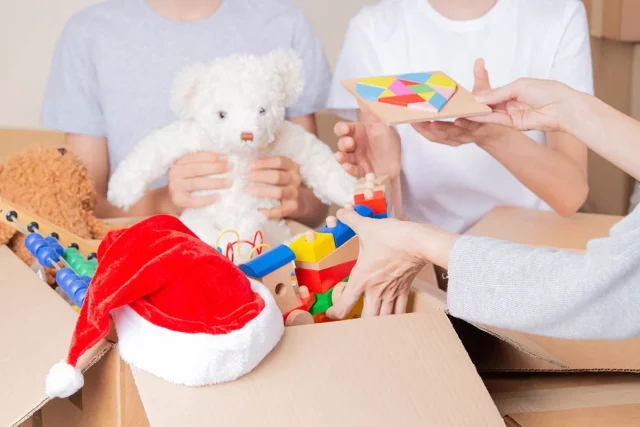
<point>595,295</point>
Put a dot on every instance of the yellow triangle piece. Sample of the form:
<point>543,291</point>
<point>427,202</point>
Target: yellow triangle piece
<point>426,95</point>
<point>383,82</point>
<point>440,80</point>
<point>386,94</point>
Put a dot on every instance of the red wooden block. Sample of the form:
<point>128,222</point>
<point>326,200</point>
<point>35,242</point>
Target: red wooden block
<point>320,281</point>
<point>402,100</point>
<point>378,203</point>
<point>321,318</point>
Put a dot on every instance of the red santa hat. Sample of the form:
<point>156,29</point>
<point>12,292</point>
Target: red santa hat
<point>182,311</point>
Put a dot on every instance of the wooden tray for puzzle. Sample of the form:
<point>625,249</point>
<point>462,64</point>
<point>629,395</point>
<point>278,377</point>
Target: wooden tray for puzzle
<point>461,104</point>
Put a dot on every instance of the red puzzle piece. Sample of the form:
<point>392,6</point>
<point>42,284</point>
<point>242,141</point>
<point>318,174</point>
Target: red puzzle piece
<point>402,100</point>
<point>378,203</point>
<point>320,281</point>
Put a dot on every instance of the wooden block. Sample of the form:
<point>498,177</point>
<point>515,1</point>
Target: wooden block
<point>461,104</point>
<point>312,246</point>
<point>298,318</point>
<point>279,284</point>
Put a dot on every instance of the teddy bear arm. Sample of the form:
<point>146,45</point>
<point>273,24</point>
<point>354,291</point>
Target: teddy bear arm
<point>148,161</point>
<point>318,168</point>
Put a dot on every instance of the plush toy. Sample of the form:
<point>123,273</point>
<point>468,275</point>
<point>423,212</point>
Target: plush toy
<point>235,106</point>
<point>54,184</point>
<point>182,311</point>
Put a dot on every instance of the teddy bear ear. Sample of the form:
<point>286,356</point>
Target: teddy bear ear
<point>289,66</point>
<point>185,89</point>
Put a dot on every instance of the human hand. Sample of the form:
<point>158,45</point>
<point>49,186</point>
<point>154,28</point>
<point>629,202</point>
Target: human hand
<point>463,131</point>
<point>368,146</point>
<point>282,176</point>
<point>191,173</point>
<point>529,104</point>
<point>389,259</point>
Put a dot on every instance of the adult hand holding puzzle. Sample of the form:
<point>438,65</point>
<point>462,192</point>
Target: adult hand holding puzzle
<point>508,285</point>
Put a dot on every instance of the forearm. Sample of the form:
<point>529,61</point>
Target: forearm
<point>553,176</point>
<point>608,132</point>
<point>153,203</point>
<point>312,211</point>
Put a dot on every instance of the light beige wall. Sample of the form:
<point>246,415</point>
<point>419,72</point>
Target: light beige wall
<point>30,28</point>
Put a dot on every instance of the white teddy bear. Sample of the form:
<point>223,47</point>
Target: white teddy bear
<point>234,106</point>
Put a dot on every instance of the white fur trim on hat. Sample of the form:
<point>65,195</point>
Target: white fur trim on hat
<point>198,359</point>
<point>63,380</point>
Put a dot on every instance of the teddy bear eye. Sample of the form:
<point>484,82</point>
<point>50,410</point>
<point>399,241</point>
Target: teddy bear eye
<point>222,114</point>
<point>262,111</point>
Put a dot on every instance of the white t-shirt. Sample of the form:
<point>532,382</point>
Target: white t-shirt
<point>453,187</point>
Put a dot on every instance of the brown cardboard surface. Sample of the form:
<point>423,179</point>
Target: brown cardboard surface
<point>547,229</point>
<point>541,228</point>
<point>461,104</point>
<point>407,370</point>
<point>35,331</point>
<point>15,140</point>
<point>614,19</point>
<point>616,73</point>
<point>568,400</point>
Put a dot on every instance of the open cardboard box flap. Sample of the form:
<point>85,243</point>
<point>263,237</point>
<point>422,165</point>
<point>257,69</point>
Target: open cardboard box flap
<point>404,370</point>
<point>35,330</point>
<point>596,400</point>
<point>515,351</point>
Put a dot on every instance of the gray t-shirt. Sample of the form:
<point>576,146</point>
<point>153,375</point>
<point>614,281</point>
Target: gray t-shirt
<point>115,63</point>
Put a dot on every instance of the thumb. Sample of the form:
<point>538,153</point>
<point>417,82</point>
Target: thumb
<point>481,76</point>
<point>348,298</point>
<point>512,91</point>
<point>342,129</point>
<point>352,219</point>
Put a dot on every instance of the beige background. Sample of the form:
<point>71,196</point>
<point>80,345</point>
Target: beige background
<point>30,28</point>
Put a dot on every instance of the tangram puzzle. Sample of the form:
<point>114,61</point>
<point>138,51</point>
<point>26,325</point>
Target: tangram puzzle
<point>423,91</point>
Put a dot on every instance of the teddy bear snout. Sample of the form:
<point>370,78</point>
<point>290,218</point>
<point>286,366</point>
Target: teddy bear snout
<point>246,136</point>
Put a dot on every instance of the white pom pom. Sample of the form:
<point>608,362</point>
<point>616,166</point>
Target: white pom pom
<point>63,380</point>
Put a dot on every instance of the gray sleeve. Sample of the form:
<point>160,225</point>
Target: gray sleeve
<point>595,295</point>
<point>317,75</point>
<point>71,103</point>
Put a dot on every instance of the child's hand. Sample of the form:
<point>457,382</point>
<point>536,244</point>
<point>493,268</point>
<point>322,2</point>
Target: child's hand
<point>463,131</point>
<point>368,146</point>
<point>190,174</point>
<point>284,182</point>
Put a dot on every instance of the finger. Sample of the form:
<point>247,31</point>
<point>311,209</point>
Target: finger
<point>466,124</point>
<point>481,77</point>
<point>195,170</point>
<point>286,208</point>
<point>512,91</point>
<point>269,176</point>
<point>203,184</point>
<point>372,303</point>
<point>201,157</point>
<point>352,219</point>
<point>344,129</point>
<point>353,170</point>
<point>388,302</point>
<point>497,118</point>
<point>347,144</point>
<point>401,303</point>
<point>349,298</point>
<point>277,162</point>
<point>272,192</point>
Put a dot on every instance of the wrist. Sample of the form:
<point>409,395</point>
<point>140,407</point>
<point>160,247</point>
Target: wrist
<point>435,245</point>
<point>574,111</point>
<point>490,137</point>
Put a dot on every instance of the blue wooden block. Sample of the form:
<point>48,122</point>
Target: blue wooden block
<point>382,216</point>
<point>363,210</point>
<point>341,233</point>
<point>268,262</point>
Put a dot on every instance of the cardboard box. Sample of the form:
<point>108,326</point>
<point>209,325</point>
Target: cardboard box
<point>614,19</point>
<point>616,68</point>
<point>595,400</point>
<point>398,370</point>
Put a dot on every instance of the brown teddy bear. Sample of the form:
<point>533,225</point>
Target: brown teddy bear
<point>54,184</point>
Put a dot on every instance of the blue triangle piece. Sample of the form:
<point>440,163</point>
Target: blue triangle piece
<point>370,93</point>
<point>438,101</point>
<point>415,77</point>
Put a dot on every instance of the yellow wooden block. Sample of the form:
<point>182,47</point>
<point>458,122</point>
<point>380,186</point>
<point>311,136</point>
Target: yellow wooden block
<point>356,311</point>
<point>440,80</point>
<point>383,82</point>
<point>313,246</point>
